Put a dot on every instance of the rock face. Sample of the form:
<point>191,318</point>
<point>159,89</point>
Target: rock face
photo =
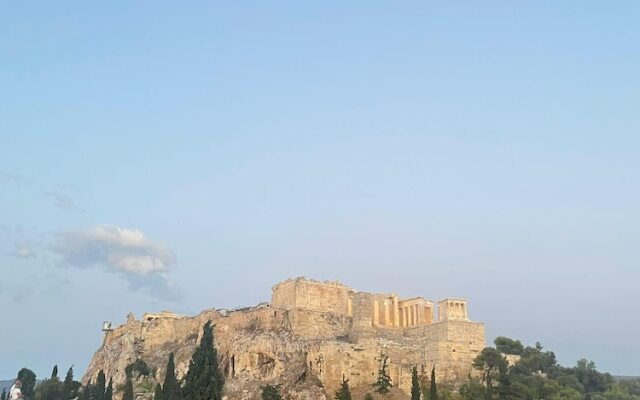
<point>299,343</point>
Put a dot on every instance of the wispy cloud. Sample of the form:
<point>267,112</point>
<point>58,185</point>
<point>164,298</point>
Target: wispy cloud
<point>58,197</point>
<point>10,177</point>
<point>126,252</point>
<point>63,201</point>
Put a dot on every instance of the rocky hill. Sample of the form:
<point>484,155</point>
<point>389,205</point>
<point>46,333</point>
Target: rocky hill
<point>307,351</point>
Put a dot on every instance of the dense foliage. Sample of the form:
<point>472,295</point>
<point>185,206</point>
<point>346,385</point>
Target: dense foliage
<point>98,391</point>
<point>70,387</point>
<point>383,384</point>
<point>343,393</point>
<point>204,380</point>
<point>128,390</point>
<point>138,367</point>
<point>535,374</point>
<point>271,392</point>
<point>433,386</point>
<point>508,371</point>
<point>171,387</point>
<point>415,384</point>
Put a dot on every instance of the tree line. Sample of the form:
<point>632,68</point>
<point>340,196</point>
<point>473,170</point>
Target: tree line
<point>508,371</point>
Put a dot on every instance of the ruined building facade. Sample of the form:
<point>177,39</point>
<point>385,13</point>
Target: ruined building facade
<point>308,338</point>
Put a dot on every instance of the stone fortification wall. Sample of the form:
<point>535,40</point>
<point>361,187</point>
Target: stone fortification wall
<point>301,293</point>
<point>302,341</point>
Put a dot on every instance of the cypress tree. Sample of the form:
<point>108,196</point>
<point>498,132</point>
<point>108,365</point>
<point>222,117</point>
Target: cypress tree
<point>204,380</point>
<point>67,386</point>
<point>415,384</point>
<point>99,389</point>
<point>86,393</point>
<point>108,393</point>
<point>170,388</point>
<point>433,389</point>
<point>270,392</point>
<point>158,393</point>
<point>383,384</point>
<point>343,393</point>
<point>128,390</point>
<point>54,373</point>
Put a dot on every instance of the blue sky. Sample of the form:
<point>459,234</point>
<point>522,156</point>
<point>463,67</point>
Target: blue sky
<point>190,155</point>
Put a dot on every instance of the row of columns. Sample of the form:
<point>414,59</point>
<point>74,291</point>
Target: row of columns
<point>405,316</point>
<point>452,310</point>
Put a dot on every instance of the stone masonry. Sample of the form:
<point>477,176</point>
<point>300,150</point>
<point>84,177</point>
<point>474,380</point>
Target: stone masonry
<point>307,339</point>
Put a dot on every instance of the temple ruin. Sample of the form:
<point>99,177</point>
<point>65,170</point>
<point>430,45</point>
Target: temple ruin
<point>308,338</point>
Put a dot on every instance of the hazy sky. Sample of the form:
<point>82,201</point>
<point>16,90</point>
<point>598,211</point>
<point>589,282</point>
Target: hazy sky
<point>189,155</point>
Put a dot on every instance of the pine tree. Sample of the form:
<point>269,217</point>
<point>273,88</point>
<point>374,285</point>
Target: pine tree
<point>108,393</point>
<point>204,380</point>
<point>54,373</point>
<point>128,390</point>
<point>158,393</point>
<point>415,384</point>
<point>383,384</point>
<point>343,393</point>
<point>100,387</point>
<point>4,394</point>
<point>433,390</point>
<point>28,379</point>
<point>170,389</point>
<point>67,387</point>
<point>271,392</point>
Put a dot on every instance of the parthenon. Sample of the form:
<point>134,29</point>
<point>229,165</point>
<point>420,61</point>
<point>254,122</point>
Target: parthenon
<point>323,330</point>
<point>378,310</point>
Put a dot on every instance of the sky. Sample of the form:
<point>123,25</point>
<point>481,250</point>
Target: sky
<point>189,155</point>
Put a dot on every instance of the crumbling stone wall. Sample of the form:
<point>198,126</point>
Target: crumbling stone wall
<point>301,293</point>
<point>305,340</point>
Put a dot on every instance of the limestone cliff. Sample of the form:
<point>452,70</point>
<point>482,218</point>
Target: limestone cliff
<point>307,351</point>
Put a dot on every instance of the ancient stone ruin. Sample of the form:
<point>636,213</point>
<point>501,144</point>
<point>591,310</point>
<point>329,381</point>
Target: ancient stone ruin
<point>308,338</point>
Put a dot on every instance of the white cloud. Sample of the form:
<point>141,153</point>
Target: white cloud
<point>126,252</point>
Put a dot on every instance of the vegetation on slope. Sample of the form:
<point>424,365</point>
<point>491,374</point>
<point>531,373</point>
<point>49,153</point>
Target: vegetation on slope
<point>508,371</point>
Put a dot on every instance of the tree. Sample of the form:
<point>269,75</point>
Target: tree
<point>271,392</point>
<point>415,384</point>
<point>158,393</point>
<point>28,379</point>
<point>491,362</point>
<point>4,394</point>
<point>137,368</point>
<point>368,396</point>
<point>508,346</point>
<point>343,393</point>
<point>204,380</point>
<point>100,387</point>
<point>433,388</point>
<point>472,390</point>
<point>128,390</point>
<point>70,387</point>
<point>86,394</point>
<point>54,372</point>
<point>170,389</point>
<point>383,384</point>
<point>108,393</point>
<point>49,389</point>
